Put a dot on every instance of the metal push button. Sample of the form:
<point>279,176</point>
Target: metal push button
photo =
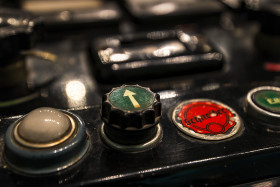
<point>263,104</point>
<point>206,119</point>
<point>45,141</point>
<point>44,127</point>
<point>131,116</point>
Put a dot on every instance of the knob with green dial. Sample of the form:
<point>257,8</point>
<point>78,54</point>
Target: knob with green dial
<point>131,114</point>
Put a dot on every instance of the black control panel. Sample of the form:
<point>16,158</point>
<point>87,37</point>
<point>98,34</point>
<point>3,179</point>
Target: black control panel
<point>139,93</point>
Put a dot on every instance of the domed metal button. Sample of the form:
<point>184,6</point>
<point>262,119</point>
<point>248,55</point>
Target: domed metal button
<point>45,141</point>
<point>44,125</point>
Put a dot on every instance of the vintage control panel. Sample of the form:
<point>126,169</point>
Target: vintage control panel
<point>139,93</point>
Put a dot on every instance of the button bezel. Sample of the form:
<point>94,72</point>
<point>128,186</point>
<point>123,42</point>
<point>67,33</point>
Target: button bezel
<point>256,111</point>
<point>132,148</point>
<point>31,161</point>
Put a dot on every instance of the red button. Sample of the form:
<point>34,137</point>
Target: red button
<point>206,119</point>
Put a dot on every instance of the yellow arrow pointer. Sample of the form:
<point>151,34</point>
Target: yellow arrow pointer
<point>132,99</point>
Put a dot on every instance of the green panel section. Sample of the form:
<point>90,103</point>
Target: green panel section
<point>131,98</point>
<point>268,100</point>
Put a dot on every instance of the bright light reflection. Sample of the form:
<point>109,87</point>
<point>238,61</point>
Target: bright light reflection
<point>163,8</point>
<point>119,57</point>
<point>108,14</point>
<point>167,94</point>
<point>168,50</point>
<point>191,41</point>
<point>75,90</point>
<point>162,52</point>
<point>184,37</point>
<point>52,121</point>
<point>13,21</point>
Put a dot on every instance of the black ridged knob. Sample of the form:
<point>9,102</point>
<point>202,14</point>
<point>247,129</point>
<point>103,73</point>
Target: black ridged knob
<point>130,114</point>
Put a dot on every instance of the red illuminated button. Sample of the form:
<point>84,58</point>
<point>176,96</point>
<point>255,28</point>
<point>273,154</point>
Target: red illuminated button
<point>206,119</point>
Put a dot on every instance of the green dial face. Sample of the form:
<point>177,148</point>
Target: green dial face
<point>268,100</point>
<point>131,98</point>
